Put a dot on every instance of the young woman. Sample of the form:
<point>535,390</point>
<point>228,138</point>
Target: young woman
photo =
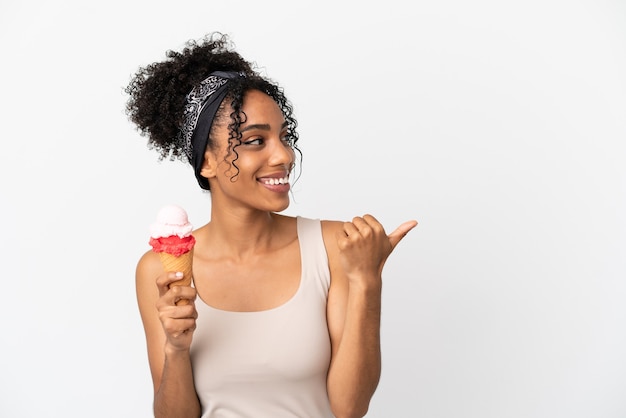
<point>284,312</point>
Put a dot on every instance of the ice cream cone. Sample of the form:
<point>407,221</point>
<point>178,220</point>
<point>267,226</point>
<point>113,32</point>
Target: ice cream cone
<point>182,263</point>
<point>171,237</point>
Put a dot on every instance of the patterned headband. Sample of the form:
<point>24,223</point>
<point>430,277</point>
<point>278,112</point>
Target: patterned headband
<point>202,104</point>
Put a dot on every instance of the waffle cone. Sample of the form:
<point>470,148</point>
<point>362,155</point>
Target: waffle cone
<point>182,263</point>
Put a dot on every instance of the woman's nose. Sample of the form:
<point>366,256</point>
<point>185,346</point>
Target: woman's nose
<point>281,153</point>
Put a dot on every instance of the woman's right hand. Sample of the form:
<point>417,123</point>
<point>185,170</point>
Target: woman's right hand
<point>178,322</point>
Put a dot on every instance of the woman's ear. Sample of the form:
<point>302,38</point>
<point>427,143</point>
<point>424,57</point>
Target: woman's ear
<point>209,165</point>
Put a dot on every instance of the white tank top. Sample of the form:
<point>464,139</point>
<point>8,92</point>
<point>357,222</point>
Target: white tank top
<point>272,363</point>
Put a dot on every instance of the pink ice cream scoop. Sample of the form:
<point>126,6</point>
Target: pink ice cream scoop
<point>171,233</point>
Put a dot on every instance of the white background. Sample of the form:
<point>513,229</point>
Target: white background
<point>499,126</point>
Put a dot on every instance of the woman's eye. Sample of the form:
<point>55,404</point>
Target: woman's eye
<point>288,140</point>
<point>255,141</point>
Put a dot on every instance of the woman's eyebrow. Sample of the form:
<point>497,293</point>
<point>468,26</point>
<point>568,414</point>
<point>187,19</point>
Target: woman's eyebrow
<point>262,126</point>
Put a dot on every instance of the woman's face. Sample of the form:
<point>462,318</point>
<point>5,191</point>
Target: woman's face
<point>263,160</point>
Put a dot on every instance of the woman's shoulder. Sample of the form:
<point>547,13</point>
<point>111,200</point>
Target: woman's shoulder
<point>330,230</point>
<point>148,267</point>
<point>331,223</point>
<point>148,258</point>
<point>331,226</point>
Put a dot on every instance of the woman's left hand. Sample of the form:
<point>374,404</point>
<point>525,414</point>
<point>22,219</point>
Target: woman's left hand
<point>365,246</point>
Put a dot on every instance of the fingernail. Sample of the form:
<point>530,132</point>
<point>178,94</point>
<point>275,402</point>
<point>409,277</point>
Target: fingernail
<point>179,275</point>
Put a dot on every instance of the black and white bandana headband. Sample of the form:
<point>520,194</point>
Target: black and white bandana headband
<point>202,104</point>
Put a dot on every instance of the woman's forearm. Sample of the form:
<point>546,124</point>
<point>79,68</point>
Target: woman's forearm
<point>355,369</point>
<point>176,395</point>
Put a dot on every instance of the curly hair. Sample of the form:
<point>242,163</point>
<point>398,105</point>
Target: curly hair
<point>158,93</point>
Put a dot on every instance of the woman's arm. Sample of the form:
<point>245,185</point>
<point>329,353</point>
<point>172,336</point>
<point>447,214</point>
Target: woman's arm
<point>357,252</point>
<point>169,330</point>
